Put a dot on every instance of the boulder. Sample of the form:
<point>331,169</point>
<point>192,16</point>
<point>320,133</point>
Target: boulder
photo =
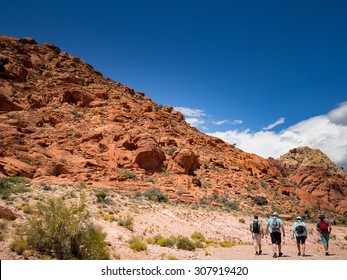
<point>187,162</point>
<point>149,155</point>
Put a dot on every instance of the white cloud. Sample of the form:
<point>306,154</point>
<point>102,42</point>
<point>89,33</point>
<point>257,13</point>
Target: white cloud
<point>227,122</point>
<point>339,115</point>
<point>195,121</point>
<point>327,133</point>
<point>188,112</point>
<point>197,118</point>
<point>271,126</point>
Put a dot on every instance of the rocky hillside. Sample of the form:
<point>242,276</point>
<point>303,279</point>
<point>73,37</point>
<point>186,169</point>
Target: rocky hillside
<point>62,121</point>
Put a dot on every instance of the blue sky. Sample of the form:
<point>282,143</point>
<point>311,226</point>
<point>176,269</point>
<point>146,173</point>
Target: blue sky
<point>265,75</point>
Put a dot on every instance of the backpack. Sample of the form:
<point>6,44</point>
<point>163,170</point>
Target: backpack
<point>275,225</point>
<point>323,226</point>
<point>256,227</point>
<point>300,229</point>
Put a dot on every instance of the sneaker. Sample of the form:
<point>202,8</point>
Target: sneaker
<point>260,252</point>
<point>256,253</point>
<point>299,254</point>
<point>327,253</point>
<point>280,254</point>
<point>303,255</point>
<point>275,255</point>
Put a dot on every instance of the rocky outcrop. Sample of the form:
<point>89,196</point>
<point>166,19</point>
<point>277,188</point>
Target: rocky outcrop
<point>63,121</point>
<point>312,171</point>
<point>149,155</point>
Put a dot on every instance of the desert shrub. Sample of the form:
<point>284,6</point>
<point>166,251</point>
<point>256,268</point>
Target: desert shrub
<point>234,205</point>
<point>155,194</point>
<point>150,240</point>
<point>127,222</point>
<point>263,184</point>
<point>185,243</point>
<point>157,237</point>
<point>108,217</point>
<point>198,236</point>
<point>46,187</point>
<point>345,237</point>
<point>227,243</point>
<point>149,180</point>
<point>130,174</point>
<point>10,185</point>
<point>136,244</point>
<point>242,221</point>
<point>172,258</point>
<point>18,246</point>
<point>171,151</point>
<point>101,196</point>
<point>165,242</point>
<point>27,208</point>
<point>65,232</point>
<point>260,200</point>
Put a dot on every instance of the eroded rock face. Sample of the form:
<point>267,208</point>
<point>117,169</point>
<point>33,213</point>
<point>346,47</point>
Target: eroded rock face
<point>13,167</point>
<point>8,100</point>
<point>63,121</point>
<point>317,175</point>
<point>149,155</point>
<point>186,162</point>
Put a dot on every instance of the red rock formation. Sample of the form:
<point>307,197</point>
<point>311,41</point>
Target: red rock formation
<point>63,121</point>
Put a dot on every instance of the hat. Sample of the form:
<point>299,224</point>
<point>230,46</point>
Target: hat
<point>298,218</point>
<point>275,214</point>
<point>321,216</point>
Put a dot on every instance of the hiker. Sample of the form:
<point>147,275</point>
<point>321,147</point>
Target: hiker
<point>275,225</point>
<point>257,231</point>
<point>324,229</point>
<point>300,231</point>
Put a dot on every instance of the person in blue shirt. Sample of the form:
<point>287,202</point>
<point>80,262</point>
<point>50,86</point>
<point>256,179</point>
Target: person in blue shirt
<point>275,225</point>
<point>300,231</point>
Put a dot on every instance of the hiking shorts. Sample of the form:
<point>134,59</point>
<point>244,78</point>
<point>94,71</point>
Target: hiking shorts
<point>256,238</point>
<point>276,238</point>
<point>301,239</point>
<point>325,237</point>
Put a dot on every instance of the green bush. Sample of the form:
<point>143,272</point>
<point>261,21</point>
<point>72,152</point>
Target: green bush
<point>108,217</point>
<point>155,194</point>
<point>101,195</point>
<point>234,205</point>
<point>65,232</point>
<point>10,185</point>
<point>345,237</point>
<point>130,174</point>
<point>260,200</point>
<point>185,243</point>
<point>19,246</point>
<point>198,236</point>
<point>127,222</point>
<point>137,245</point>
<point>165,242</point>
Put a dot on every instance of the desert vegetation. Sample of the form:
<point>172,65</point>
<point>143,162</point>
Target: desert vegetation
<point>71,221</point>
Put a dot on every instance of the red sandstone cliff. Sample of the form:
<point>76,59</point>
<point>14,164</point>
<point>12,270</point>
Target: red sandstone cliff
<point>62,121</point>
